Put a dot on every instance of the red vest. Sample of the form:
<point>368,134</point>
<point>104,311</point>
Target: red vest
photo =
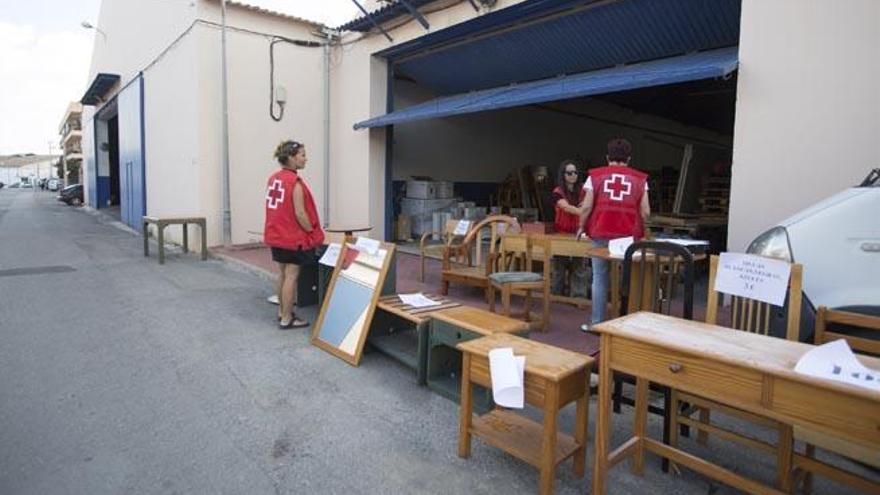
<point>617,197</point>
<point>281,229</point>
<point>564,221</point>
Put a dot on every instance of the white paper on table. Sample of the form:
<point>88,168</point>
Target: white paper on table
<point>618,247</point>
<point>462,227</point>
<point>753,277</point>
<point>417,300</point>
<point>331,254</point>
<point>367,245</point>
<point>836,361</point>
<point>507,372</point>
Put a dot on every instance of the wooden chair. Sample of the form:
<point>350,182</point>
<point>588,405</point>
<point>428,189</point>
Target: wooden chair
<point>514,273</point>
<point>652,273</point>
<point>475,272</point>
<point>805,466</point>
<point>447,238</point>
<point>750,316</point>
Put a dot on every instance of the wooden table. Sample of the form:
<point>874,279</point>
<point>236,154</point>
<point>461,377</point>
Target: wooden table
<point>751,372</point>
<point>450,327</point>
<point>401,331</point>
<point>554,377</point>
<point>162,222</point>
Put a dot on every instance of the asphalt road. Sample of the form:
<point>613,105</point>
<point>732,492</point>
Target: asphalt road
<point>118,375</point>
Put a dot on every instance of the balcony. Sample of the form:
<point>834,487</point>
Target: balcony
<point>71,137</point>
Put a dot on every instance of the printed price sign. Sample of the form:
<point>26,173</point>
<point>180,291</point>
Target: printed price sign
<point>753,277</point>
<point>462,227</point>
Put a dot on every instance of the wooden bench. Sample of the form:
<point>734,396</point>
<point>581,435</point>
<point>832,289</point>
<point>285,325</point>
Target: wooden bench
<point>162,222</point>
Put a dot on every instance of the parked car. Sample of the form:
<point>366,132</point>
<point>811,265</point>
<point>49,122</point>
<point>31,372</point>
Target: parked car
<point>1,185</point>
<point>72,195</point>
<point>15,186</point>
<point>53,184</point>
<point>837,241</point>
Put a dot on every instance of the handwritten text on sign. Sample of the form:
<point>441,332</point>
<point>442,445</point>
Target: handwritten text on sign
<point>753,277</point>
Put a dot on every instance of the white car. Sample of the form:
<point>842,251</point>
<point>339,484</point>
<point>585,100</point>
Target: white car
<point>53,184</point>
<point>838,243</point>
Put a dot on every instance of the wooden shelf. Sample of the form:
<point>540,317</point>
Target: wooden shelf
<point>519,436</point>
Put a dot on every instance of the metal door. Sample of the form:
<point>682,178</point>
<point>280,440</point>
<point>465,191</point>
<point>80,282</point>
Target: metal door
<point>132,183</point>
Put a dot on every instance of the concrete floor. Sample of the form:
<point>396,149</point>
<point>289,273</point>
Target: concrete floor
<point>123,376</point>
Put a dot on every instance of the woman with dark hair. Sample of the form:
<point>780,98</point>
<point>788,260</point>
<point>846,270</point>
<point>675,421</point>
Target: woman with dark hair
<point>292,229</point>
<point>566,199</point>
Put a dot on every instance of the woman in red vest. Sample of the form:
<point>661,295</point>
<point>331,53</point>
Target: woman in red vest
<point>615,205</point>
<point>566,199</point>
<point>292,229</point>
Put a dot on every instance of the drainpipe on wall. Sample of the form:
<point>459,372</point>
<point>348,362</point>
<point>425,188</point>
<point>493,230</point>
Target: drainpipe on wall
<point>226,214</point>
<point>331,35</point>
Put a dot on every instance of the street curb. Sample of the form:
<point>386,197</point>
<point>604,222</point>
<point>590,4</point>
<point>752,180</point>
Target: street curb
<point>244,267</point>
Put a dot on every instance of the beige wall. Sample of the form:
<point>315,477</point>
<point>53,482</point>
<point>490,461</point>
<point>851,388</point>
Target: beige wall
<point>253,135</point>
<point>358,92</point>
<point>808,107</point>
<point>137,31</point>
<point>171,128</point>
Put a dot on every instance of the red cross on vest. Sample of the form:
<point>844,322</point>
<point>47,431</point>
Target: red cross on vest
<point>617,187</point>
<point>275,194</point>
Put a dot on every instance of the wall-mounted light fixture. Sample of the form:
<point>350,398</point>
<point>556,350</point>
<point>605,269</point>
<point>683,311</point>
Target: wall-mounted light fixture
<point>88,25</point>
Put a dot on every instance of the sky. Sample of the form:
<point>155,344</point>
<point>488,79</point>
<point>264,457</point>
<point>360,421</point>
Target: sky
<point>45,56</point>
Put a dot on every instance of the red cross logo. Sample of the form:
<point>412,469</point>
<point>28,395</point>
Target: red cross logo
<point>275,194</point>
<point>617,187</point>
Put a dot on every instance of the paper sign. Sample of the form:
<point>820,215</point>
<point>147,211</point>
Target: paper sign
<point>753,277</point>
<point>417,300</point>
<point>462,227</point>
<point>507,373</point>
<point>367,245</point>
<point>331,254</point>
<point>836,361</point>
<point>618,247</point>
<point>501,228</point>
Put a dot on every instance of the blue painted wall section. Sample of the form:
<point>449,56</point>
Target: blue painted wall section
<point>132,191</point>
<point>90,141</point>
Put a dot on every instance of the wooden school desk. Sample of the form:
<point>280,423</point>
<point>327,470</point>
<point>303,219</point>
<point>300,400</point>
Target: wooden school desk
<point>751,372</point>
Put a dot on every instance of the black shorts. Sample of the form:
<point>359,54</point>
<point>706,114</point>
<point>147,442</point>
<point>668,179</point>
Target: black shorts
<point>297,257</point>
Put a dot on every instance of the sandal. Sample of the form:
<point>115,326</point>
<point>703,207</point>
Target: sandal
<point>293,323</point>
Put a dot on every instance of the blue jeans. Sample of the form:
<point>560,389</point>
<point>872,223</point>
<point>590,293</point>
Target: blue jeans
<point>600,285</point>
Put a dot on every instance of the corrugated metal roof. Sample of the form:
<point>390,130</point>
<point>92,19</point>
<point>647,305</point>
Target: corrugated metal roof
<point>692,67</point>
<point>380,15</point>
<point>594,37</point>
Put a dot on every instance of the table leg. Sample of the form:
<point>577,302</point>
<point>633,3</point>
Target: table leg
<point>160,238</point>
<point>185,238</point>
<point>603,418</point>
<point>615,289</point>
<point>581,420</point>
<point>548,445</point>
<point>146,229</point>
<point>641,425</point>
<point>203,224</point>
<point>465,411</point>
<point>784,458</point>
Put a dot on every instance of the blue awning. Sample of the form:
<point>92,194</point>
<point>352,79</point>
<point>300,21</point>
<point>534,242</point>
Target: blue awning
<point>691,67</point>
<point>99,88</point>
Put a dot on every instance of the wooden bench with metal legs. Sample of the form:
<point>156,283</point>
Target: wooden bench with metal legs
<point>162,222</point>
